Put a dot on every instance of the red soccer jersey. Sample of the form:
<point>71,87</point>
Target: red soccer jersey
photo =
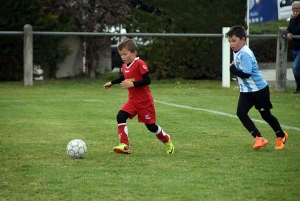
<point>140,96</point>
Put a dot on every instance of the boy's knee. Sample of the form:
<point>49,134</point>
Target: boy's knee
<point>122,117</point>
<point>267,116</point>
<point>240,113</point>
<point>152,127</point>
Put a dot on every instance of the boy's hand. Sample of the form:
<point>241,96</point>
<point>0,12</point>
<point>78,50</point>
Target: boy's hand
<point>232,65</point>
<point>107,85</point>
<point>127,84</point>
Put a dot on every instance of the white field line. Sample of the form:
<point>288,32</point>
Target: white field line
<point>220,113</point>
<point>165,103</point>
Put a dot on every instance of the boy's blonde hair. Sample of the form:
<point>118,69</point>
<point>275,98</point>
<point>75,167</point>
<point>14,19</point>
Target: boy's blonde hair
<point>128,44</point>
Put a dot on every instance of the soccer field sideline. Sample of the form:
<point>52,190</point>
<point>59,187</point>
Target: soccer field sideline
<point>174,105</point>
<point>221,113</point>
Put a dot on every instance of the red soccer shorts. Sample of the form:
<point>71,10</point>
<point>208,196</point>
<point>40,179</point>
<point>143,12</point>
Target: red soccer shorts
<point>145,115</point>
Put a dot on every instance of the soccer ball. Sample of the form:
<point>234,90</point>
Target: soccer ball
<point>76,149</point>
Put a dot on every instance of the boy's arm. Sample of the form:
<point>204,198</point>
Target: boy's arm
<point>144,82</point>
<point>118,80</point>
<point>238,73</point>
<point>115,81</point>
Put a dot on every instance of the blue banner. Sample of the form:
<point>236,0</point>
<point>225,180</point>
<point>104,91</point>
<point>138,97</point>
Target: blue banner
<point>262,11</point>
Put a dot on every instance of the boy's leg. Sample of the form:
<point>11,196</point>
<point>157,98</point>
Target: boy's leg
<point>148,117</point>
<point>123,147</point>
<point>281,136</point>
<point>162,136</point>
<point>273,122</point>
<point>158,131</point>
<point>244,105</point>
<point>264,106</point>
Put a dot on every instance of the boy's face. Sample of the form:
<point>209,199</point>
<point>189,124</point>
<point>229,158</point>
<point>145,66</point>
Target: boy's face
<point>236,43</point>
<point>127,56</point>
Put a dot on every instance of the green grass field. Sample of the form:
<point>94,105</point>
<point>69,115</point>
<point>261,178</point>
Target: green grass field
<point>213,158</point>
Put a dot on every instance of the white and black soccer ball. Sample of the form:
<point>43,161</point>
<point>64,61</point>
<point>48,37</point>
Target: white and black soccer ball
<point>76,149</point>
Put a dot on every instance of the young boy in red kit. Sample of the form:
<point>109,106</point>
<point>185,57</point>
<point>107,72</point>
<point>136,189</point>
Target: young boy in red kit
<point>140,102</point>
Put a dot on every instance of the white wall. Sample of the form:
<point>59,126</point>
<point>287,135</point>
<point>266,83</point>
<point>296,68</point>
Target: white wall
<point>73,63</point>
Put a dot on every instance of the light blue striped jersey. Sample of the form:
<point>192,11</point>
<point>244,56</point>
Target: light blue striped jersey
<point>245,61</point>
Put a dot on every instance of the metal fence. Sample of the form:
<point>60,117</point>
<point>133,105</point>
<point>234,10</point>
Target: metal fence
<point>128,34</point>
<point>281,57</point>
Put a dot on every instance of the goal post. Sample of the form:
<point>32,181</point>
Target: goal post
<point>28,56</point>
<point>225,59</point>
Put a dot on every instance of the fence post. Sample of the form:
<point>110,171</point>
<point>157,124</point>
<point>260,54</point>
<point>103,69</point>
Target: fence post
<point>28,57</point>
<point>281,60</point>
<point>225,58</point>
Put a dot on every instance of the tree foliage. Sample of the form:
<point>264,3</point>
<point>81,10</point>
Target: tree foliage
<point>47,50</point>
<point>193,58</point>
<point>171,57</point>
<point>95,16</point>
<point>56,15</point>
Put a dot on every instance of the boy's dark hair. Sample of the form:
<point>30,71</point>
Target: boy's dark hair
<point>128,44</point>
<point>238,31</point>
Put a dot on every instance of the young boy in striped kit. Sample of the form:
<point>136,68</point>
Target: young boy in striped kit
<point>254,90</point>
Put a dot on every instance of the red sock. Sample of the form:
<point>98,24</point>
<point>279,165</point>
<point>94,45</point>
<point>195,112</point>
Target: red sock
<point>161,135</point>
<point>123,133</point>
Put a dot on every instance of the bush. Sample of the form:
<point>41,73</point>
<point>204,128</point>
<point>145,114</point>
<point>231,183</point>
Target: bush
<point>265,48</point>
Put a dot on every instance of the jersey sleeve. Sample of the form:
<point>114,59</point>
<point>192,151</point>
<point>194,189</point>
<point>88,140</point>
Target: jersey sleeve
<point>143,68</point>
<point>246,60</point>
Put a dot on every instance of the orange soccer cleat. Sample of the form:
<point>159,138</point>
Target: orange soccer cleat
<point>122,149</point>
<point>259,142</point>
<point>280,141</point>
